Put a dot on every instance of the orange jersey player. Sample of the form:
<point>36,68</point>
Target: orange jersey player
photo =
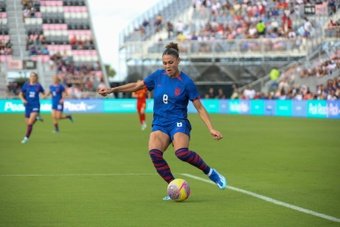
<point>141,96</point>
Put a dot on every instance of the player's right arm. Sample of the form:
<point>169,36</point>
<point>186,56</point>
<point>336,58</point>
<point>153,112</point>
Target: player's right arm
<point>46,94</point>
<point>21,96</point>
<point>130,87</point>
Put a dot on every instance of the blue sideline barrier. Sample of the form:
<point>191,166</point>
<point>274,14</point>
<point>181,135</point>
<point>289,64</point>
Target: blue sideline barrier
<point>287,108</point>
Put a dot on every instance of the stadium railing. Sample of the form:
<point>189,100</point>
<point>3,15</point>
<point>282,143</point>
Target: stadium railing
<point>227,48</point>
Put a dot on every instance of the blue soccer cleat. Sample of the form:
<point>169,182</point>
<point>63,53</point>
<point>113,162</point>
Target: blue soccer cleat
<point>219,180</point>
<point>166,198</point>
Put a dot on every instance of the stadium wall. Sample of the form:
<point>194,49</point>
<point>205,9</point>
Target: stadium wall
<point>285,108</point>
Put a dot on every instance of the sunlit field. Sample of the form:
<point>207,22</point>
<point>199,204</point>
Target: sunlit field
<point>97,172</point>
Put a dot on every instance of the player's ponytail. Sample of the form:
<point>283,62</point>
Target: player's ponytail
<point>171,49</point>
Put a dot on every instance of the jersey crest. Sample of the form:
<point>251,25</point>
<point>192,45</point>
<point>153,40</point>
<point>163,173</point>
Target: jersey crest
<point>177,91</point>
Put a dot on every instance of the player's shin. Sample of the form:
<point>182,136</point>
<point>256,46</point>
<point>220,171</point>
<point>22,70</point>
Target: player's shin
<point>161,165</point>
<point>193,158</point>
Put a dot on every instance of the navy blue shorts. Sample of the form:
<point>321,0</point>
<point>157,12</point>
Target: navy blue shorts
<point>31,108</point>
<point>58,107</point>
<point>171,129</point>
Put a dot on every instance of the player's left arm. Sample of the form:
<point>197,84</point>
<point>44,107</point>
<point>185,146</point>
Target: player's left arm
<point>206,119</point>
<point>64,94</point>
<point>43,93</point>
<point>46,94</point>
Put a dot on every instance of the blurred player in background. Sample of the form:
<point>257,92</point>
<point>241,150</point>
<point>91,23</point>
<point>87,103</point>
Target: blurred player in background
<point>172,91</point>
<point>141,96</point>
<point>29,96</point>
<point>57,90</point>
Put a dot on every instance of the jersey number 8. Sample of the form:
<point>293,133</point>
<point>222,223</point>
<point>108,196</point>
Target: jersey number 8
<point>165,99</point>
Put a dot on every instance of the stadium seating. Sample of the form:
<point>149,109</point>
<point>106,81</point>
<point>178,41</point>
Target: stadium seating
<point>225,38</point>
<point>5,40</point>
<point>59,32</point>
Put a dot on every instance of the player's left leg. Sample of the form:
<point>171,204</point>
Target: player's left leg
<point>181,144</point>
<point>61,116</point>
<point>55,120</point>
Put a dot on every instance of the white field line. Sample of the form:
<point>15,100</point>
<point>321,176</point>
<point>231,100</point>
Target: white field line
<point>265,198</point>
<point>270,200</point>
<point>76,174</point>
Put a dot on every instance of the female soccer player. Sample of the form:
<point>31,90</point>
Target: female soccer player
<point>29,95</point>
<point>141,96</point>
<point>57,90</point>
<point>172,91</point>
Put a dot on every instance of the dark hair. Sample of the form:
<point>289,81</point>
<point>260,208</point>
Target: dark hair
<point>171,49</point>
<point>34,73</point>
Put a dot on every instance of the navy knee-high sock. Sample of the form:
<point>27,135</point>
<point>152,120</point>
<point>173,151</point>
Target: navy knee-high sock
<point>193,158</point>
<point>29,131</point>
<point>161,165</point>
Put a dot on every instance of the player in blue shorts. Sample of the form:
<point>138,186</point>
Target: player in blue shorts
<point>29,95</point>
<point>57,90</point>
<point>172,91</point>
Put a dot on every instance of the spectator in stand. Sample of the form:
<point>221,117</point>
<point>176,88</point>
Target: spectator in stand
<point>307,26</point>
<point>220,94</point>
<point>170,29</point>
<point>248,93</point>
<point>235,94</point>
<point>179,27</point>
<point>332,7</point>
<point>145,23</point>
<point>261,28</point>
<point>210,94</point>
<point>158,22</point>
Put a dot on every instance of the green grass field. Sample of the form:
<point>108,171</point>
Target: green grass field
<point>97,172</point>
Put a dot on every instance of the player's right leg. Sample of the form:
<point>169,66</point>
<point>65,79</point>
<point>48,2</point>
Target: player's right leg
<point>218,178</point>
<point>30,121</point>
<point>158,143</point>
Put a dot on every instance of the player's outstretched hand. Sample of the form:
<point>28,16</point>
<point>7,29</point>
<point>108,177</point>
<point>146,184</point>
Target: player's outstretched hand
<point>216,134</point>
<point>103,91</point>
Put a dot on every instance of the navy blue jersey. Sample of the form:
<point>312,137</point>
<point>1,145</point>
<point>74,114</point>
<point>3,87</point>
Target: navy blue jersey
<point>31,93</point>
<point>171,96</point>
<point>57,93</point>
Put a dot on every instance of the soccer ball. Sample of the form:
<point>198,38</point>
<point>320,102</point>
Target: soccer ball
<point>178,190</point>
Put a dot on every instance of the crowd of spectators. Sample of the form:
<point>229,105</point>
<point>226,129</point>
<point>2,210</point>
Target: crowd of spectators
<point>36,44</point>
<point>323,73</point>
<point>328,91</point>
<point>243,19</point>
<point>212,94</point>
<point>79,77</point>
<point>290,83</point>
<point>333,29</point>
<point>81,42</point>
<point>31,8</point>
